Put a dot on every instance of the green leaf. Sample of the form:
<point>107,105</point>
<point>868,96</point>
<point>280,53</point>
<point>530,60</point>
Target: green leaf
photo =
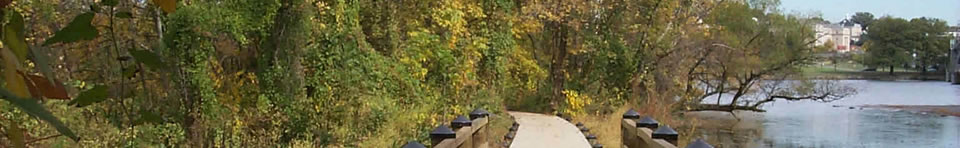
<point>95,95</point>
<point>110,3</point>
<point>78,29</point>
<point>148,58</point>
<point>41,60</point>
<point>33,108</point>
<point>13,35</point>
<point>123,14</point>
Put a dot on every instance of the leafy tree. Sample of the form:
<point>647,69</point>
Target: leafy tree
<point>931,44</point>
<point>770,48</point>
<point>889,45</point>
<point>865,19</point>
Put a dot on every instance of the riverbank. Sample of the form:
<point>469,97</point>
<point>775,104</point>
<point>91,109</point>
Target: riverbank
<point>947,110</point>
<point>876,75</point>
<point>849,71</point>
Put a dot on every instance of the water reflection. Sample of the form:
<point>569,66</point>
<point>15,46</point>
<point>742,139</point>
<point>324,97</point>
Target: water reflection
<point>815,125</point>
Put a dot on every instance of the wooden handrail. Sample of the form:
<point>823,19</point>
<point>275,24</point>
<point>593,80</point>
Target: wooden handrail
<point>634,137</point>
<point>473,136</point>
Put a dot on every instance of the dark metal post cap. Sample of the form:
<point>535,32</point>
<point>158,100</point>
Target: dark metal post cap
<point>699,143</point>
<point>584,129</point>
<point>443,132</point>
<point>461,121</point>
<point>631,114</point>
<point>648,122</point>
<point>665,132</point>
<point>579,124</point>
<point>413,144</point>
<point>597,146</point>
<point>591,136</point>
<point>478,113</point>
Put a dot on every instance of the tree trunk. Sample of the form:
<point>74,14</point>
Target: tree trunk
<point>891,70</point>
<point>558,62</point>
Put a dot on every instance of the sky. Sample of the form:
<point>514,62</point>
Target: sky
<point>836,10</point>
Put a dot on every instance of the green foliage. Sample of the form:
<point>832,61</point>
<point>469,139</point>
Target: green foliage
<point>888,44</point>
<point>80,28</point>
<point>123,14</point>
<point>13,35</point>
<point>366,73</point>
<point>35,109</point>
<point>148,58</point>
<point>94,95</point>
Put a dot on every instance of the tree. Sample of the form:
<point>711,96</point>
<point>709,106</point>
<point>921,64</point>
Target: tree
<point>865,19</point>
<point>889,45</point>
<point>931,44</point>
<point>769,49</point>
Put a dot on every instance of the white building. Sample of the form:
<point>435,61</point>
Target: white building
<point>954,31</point>
<point>841,35</point>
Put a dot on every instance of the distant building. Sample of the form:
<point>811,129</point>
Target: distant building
<point>842,34</point>
<point>954,31</point>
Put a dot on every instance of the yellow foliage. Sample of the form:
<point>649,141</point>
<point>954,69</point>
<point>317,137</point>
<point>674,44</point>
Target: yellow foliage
<point>575,102</point>
<point>168,6</point>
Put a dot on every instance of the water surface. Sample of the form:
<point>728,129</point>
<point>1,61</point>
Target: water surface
<point>813,125</point>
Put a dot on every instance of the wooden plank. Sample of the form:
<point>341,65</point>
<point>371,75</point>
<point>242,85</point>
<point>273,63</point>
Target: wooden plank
<point>634,137</point>
<point>463,135</point>
<point>478,124</point>
<point>466,136</point>
<point>660,143</point>
<point>480,132</point>
<point>446,143</point>
<point>646,135</point>
<point>628,134</point>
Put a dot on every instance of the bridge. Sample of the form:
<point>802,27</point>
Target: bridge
<point>532,130</point>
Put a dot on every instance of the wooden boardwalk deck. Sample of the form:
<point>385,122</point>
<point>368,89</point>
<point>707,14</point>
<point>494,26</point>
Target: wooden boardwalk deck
<point>546,131</point>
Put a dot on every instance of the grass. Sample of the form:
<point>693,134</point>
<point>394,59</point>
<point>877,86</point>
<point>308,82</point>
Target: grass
<point>853,71</point>
<point>607,126</point>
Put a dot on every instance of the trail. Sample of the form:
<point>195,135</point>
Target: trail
<point>546,131</point>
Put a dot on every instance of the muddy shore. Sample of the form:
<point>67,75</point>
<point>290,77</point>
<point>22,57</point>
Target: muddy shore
<point>947,110</point>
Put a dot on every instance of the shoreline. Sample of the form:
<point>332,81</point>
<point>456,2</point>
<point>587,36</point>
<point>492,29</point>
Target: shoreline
<point>879,76</point>
<point>945,110</point>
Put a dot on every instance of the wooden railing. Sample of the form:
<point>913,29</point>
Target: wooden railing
<point>646,132</point>
<point>462,133</point>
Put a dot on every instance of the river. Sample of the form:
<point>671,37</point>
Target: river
<point>806,124</point>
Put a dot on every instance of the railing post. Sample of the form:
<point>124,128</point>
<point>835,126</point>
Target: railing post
<point>584,130</point>
<point>440,133</point>
<point>597,145</point>
<point>478,113</point>
<point>480,136</point>
<point>648,122</point>
<point>666,133</point>
<point>628,129</point>
<point>631,114</point>
<point>591,139</point>
<point>460,122</point>
<point>413,144</point>
<point>699,144</point>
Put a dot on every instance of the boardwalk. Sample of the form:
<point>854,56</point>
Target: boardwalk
<point>546,131</point>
